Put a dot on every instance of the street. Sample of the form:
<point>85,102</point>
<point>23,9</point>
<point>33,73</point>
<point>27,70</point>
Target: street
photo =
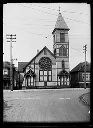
<point>45,105</point>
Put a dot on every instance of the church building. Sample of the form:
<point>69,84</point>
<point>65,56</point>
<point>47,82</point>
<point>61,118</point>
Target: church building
<point>47,69</point>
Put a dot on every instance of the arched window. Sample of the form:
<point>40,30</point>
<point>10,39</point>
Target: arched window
<point>62,51</point>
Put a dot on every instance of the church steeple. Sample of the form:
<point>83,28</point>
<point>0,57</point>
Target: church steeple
<point>61,47</point>
<point>61,42</point>
<point>60,23</point>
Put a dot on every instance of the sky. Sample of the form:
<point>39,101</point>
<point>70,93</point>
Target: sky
<point>33,24</point>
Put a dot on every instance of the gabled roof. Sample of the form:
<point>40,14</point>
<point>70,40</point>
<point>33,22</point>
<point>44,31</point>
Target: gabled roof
<point>39,54</point>
<point>21,65</point>
<point>60,23</point>
<point>81,67</point>
<point>6,64</point>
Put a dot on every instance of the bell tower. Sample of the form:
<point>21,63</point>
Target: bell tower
<point>61,43</point>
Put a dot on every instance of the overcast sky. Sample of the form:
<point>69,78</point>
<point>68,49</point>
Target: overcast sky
<point>33,22</point>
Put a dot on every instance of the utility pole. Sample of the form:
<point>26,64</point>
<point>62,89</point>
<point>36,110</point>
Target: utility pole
<point>85,49</point>
<point>10,39</point>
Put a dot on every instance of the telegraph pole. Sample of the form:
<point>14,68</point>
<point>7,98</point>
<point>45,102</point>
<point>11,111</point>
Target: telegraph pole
<point>85,49</point>
<point>10,38</point>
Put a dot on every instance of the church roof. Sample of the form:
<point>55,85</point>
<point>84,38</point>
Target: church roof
<point>60,23</point>
<point>6,64</point>
<point>38,55</point>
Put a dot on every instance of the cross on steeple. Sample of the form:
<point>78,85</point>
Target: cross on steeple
<point>59,9</point>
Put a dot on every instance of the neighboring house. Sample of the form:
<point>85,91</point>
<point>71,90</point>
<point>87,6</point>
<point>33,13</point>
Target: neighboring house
<point>77,75</point>
<point>21,65</point>
<point>47,69</point>
<point>6,75</point>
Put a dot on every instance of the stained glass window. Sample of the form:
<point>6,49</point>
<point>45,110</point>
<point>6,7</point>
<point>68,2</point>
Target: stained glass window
<point>45,63</point>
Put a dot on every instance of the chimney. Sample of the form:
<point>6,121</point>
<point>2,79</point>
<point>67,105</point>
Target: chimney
<point>37,51</point>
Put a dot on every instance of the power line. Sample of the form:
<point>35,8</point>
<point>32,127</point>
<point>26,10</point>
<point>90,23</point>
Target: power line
<point>62,10</point>
<point>56,15</point>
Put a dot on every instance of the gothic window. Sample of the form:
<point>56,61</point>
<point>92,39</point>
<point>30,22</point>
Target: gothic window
<point>62,37</point>
<point>28,81</point>
<point>62,51</point>
<point>57,51</point>
<point>31,81</point>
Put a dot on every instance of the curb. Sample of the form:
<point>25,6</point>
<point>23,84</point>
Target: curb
<point>84,101</point>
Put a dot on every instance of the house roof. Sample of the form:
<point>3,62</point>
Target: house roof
<point>81,67</point>
<point>39,54</point>
<point>6,64</point>
<point>60,23</point>
<point>21,65</point>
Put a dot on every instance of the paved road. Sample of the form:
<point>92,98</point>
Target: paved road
<point>58,105</point>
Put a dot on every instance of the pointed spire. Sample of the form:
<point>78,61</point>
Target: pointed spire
<point>60,23</point>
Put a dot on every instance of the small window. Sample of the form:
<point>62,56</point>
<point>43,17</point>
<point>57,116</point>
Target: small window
<point>62,37</point>
<point>5,72</point>
<point>41,78</point>
<point>45,78</point>
<point>49,78</point>
<point>45,72</point>
<point>41,72</point>
<point>57,50</point>
<point>49,72</point>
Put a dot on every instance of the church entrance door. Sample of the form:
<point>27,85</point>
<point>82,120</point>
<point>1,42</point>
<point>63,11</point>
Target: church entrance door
<point>63,81</point>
